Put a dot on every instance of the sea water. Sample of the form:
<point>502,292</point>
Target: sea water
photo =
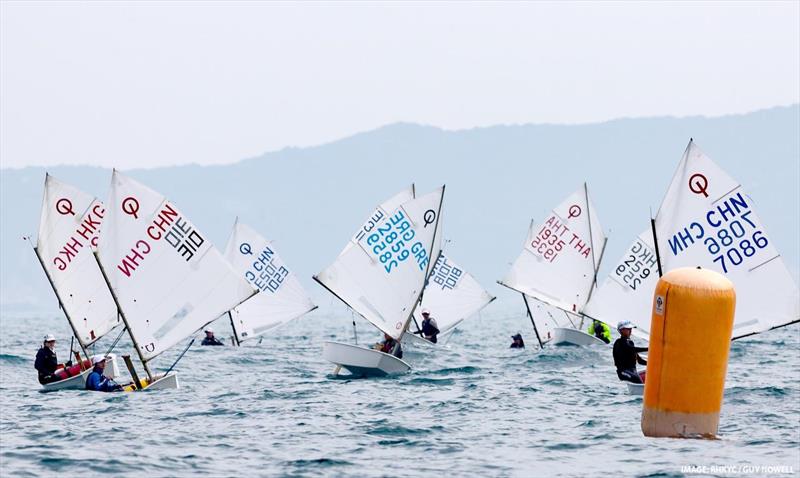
<point>470,407</point>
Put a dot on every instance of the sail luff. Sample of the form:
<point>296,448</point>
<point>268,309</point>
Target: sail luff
<point>429,266</point>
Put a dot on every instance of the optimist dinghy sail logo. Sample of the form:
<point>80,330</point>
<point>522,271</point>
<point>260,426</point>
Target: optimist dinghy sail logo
<point>659,302</point>
<point>574,211</point>
<point>64,207</point>
<point>698,184</point>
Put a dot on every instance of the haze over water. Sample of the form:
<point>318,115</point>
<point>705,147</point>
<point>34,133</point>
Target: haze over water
<point>473,407</point>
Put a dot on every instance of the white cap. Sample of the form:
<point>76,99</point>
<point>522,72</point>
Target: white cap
<point>208,330</point>
<point>425,311</point>
<point>97,359</point>
<point>625,324</point>
<point>49,337</point>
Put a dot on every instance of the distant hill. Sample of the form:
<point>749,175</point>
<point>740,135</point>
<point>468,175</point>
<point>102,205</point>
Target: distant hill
<point>311,199</point>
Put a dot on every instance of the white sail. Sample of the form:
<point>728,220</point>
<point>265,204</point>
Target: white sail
<point>380,213</point>
<point>383,276</point>
<point>452,295</point>
<point>627,292</point>
<point>281,296</point>
<point>560,257</point>
<point>68,232</point>
<point>168,278</point>
<point>707,220</point>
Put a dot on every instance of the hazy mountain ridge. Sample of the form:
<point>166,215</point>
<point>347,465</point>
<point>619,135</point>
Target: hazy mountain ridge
<point>498,178</point>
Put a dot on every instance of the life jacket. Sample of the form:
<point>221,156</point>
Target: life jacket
<point>600,330</point>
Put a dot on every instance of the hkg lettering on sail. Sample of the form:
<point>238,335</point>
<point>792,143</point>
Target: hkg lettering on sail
<point>730,233</point>
<point>86,233</point>
<point>170,227</point>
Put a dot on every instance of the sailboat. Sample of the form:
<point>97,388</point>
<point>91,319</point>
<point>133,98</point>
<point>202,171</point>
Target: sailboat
<point>281,298</point>
<point>558,267</point>
<point>705,220</point>
<point>381,274</point>
<point>69,225</point>
<point>166,278</point>
<point>452,295</point>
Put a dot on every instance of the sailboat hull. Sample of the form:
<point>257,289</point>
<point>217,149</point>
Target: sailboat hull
<point>635,388</point>
<point>363,362</point>
<point>78,382</point>
<point>162,382</point>
<point>568,336</point>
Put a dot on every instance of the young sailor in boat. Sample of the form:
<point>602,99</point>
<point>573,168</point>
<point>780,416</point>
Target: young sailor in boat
<point>517,343</point>
<point>210,339</point>
<point>47,362</point>
<point>390,346</point>
<point>599,330</point>
<point>430,329</point>
<point>98,382</point>
<point>626,355</point>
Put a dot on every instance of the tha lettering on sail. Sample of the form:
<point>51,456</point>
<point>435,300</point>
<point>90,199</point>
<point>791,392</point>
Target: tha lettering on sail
<point>265,273</point>
<point>729,232</point>
<point>168,226</point>
<point>554,236</point>
<point>86,233</point>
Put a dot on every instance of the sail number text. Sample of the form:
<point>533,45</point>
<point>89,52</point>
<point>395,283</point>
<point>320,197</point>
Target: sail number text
<point>553,237</point>
<point>728,232</point>
<point>637,265</point>
<point>393,243</point>
<point>265,273</point>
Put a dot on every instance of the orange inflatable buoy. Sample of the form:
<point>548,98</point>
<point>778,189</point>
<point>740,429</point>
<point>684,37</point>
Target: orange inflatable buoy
<point>690,337</point>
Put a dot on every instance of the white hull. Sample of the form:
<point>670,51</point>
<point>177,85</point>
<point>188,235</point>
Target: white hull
<point>78,382</point>
<point>568,336</point>
<point>635,388</point>
<point>165,382</point>
<point>416,341</point>
<point>363,362</point>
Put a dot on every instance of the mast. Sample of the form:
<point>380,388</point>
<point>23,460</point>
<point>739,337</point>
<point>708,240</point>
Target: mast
<point>124,319</point>
<point>527,307</point>
<point>655,243</point>
<point>60,302</point>
<point>429,267</point>
<point>233,328</point>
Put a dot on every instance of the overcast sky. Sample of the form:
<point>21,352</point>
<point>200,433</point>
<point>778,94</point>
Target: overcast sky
<point>151,84</point>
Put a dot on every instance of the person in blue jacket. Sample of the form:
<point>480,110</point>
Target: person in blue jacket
<point>97,381</point>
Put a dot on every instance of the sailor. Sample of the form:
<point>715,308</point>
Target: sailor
<point>390,346</point>
<point>46,361</point>
<point>97,381</point>
<point>599,330</point>
<point>429,328</point>
<point>626,355</point>
<point>210,339</point>
<point>518,343</point>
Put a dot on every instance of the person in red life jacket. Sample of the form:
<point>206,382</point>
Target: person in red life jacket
<point>390,346</point>
<point>47,361</point>
<point>430,329</point>
<point>98,382</point>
